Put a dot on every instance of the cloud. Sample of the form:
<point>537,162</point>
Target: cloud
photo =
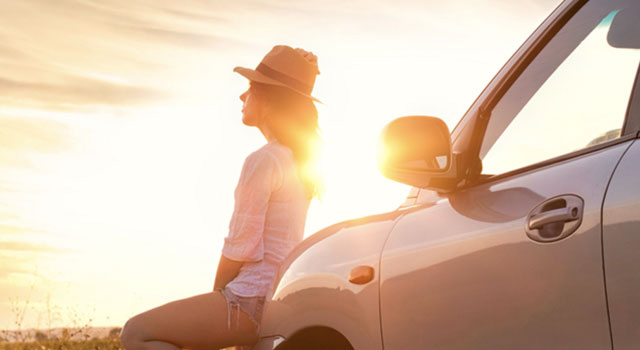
<point>22,137</point>
<point>26,247</point>
<point>178,37</point>
<point>35,134</point>
<point>23,258</point>
<point>72,91</point>
<point>17,263</point>
<point>72,54</point>
<point>10,230</point>
<point>9,53</point>
<point>195,15</point>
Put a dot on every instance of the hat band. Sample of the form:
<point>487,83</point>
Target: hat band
<point>283,78</point>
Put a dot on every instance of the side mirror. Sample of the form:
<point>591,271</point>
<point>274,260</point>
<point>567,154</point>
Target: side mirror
<point>416,151</point>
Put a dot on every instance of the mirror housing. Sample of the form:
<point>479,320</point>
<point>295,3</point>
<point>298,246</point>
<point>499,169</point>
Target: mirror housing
<point>416,150</point>
<point>624,32</point>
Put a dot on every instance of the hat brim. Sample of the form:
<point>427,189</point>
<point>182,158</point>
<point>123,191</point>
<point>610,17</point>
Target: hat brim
<point>258,77</point>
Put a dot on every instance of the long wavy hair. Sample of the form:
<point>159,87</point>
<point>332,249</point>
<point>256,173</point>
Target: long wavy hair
<point>293,121</point>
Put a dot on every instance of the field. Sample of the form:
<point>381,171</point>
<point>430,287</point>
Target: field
<point>83,336</point>
<point>62,338</point>
<point>87,338</point>
<point>93,344</point>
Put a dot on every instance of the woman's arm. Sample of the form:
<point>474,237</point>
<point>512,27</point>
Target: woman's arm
<point>227,270</point>
<point>260,176</point>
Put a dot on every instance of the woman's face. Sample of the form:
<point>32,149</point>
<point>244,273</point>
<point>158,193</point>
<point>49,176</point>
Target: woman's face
<point>252,108</point>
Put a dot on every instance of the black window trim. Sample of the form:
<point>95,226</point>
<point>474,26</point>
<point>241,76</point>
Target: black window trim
<point>632,117</point>
<point>525,60</point>
<point>530,47</point>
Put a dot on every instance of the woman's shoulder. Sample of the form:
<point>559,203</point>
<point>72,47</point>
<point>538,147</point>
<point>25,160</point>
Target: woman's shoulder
<point>273,151</point>
<point>271,156</point>
<point>270,161</point>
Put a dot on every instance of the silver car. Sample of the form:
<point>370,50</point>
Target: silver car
<point>522,230</point>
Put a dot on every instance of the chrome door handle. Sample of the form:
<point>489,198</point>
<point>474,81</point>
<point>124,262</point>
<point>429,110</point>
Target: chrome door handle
<point>569,214</point>
<point>555,219</point>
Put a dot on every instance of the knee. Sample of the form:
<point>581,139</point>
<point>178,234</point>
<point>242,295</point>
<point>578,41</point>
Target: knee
<point>131,334</point>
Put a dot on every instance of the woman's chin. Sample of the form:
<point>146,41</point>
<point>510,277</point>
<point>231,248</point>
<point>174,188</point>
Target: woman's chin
<point>248,120</point>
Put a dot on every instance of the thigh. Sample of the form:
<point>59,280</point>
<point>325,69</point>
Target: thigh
<point>197,322</point>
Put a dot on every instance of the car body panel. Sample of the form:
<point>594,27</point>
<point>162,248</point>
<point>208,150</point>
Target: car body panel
<point>621,240</point>
<point>465,266</point>
<point>315,289</point>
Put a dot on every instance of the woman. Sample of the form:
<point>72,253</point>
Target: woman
<point>272,198</point>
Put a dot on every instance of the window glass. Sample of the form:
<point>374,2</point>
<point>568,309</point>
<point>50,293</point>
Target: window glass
<point>573,95</point>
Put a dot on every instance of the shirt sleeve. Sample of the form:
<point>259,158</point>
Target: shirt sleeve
<point>260,176</point>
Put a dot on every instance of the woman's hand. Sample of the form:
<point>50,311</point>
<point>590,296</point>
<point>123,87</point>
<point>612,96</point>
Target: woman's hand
<point>227,270</point>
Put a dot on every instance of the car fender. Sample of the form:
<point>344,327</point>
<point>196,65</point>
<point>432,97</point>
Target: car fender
<point>313,288</point>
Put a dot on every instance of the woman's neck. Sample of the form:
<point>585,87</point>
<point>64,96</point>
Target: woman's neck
<point>266,132</point>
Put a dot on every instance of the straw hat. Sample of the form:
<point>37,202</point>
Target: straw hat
<point>285,66</point>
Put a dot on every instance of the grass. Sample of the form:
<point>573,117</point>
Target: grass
<point>65,339</point>
<point>112,343</point>
<point>77,338</point>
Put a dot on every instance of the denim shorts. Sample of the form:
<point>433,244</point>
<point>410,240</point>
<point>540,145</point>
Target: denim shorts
<point>252,306</point>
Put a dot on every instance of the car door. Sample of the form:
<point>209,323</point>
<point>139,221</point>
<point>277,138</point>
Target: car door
<point>621,225</point>
<point>514,259</point>
<point>621,241</point>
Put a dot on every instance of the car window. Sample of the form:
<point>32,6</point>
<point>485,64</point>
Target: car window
<point>573,95</point>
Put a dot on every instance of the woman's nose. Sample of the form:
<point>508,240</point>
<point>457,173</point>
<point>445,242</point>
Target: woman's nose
<point>244,96</point>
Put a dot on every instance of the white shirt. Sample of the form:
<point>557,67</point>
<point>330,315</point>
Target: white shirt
<point>268,220</point>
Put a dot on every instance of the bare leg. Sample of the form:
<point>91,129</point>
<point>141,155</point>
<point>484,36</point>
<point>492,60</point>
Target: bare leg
<point>198,322</point>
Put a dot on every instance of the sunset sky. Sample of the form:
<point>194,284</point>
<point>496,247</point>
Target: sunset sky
<point>121,138</point>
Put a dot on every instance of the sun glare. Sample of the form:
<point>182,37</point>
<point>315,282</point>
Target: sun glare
<point>118,177</point>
